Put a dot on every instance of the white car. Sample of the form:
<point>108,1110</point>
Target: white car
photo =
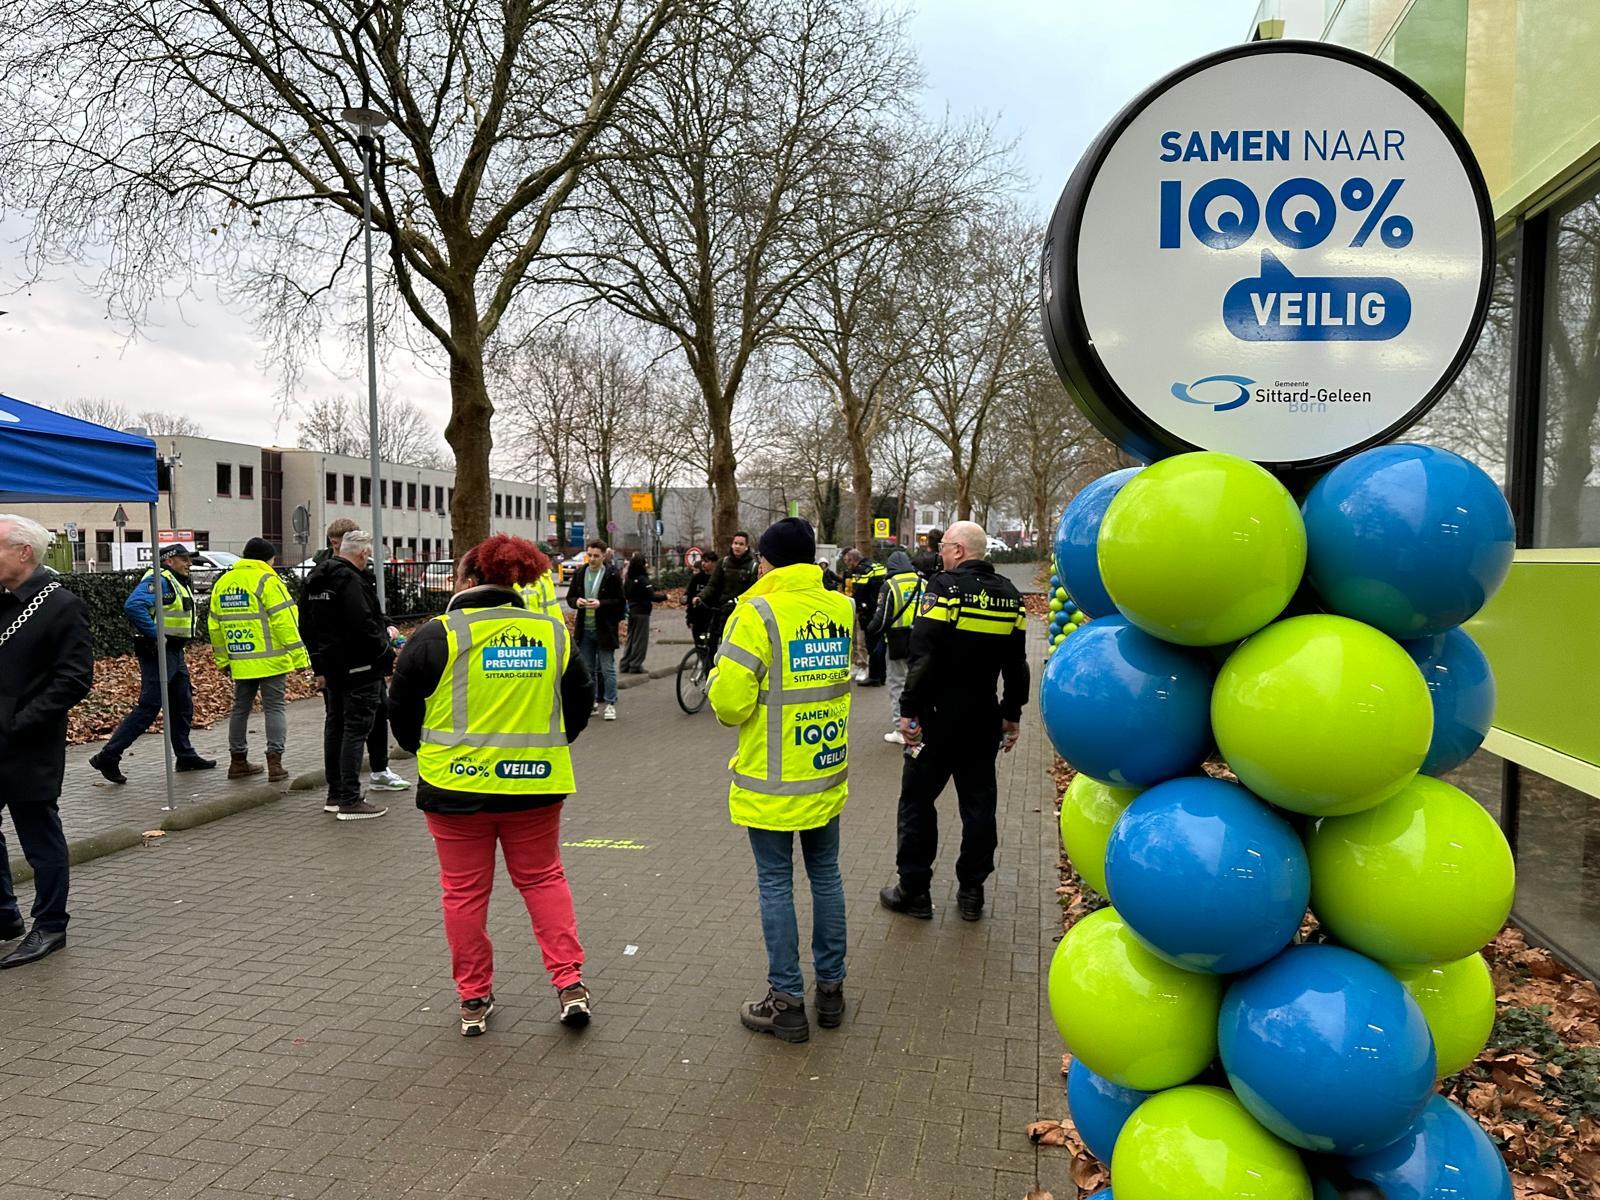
<point>207,566</point>
<point>995,544</point>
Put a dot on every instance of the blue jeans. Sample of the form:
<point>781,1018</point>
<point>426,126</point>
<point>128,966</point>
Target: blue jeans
<point>774,851</point>
<point>602,665</point>
<point>179,694</point>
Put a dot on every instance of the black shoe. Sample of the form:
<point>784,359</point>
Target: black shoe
<point>110,767</point>
<point>969,902</point>
<point>34,947</point>
<point>777,1013</point>
<point>194,764</point>
<point>12,930</point>
<point>896,900</point>
<point>830,1005</point>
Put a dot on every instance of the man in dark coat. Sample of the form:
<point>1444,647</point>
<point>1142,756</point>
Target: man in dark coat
<point>46,667</point>
<point>596,596</point>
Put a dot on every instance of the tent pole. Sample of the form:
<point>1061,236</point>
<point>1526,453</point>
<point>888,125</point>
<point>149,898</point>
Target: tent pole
<point>161,657</point>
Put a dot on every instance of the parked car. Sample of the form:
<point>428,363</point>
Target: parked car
<point>566,568</point>
<point>207,567</point>
<point>996,545</point>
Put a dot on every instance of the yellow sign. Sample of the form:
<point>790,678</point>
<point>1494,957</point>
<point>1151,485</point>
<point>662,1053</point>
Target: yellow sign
<point>643,502</point>
<point>880,527</point>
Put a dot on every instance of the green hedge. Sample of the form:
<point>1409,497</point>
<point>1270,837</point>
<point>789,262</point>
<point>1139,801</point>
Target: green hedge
<point>1023,554</point>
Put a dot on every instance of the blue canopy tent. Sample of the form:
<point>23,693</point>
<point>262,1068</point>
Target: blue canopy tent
<point>50,457</point>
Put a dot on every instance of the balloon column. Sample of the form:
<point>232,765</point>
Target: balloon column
<point>1065,615</point>
<point>1314,648</point>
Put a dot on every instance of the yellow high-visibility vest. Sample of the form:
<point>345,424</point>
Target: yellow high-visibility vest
<point>177,618</point>
<point>254,624</point>
<point>540,596</point>
<point>905,590</point>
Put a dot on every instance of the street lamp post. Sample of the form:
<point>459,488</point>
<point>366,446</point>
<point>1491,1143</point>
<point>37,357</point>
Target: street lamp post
<point>366,123</point>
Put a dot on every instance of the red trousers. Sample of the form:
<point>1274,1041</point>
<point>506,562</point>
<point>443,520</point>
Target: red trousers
<point>532,844</point>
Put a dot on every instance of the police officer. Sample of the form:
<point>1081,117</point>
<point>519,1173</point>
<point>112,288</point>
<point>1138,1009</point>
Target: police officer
<point>177,626</point>
<point>489,695</point>
<point>898,600</point>
<point>971,630</point>
<point>867,576</point>
<point>782,676</point>
<point>255,639</point>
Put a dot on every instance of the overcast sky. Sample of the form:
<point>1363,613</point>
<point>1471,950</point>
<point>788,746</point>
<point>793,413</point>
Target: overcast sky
<point>1050,72</point>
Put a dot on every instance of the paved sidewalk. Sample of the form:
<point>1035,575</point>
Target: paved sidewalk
<point>262,1007</point>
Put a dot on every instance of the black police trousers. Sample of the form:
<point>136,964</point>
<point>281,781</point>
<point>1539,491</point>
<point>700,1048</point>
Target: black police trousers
<point>970,760</point>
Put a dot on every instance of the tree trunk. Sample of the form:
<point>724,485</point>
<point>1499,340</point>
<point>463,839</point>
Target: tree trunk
<point>724,463</point>
<point>468,430</point>
<point>861,482</point>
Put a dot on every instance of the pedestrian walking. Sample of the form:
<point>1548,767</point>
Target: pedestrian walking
<point>970,632</point>
<point>176,624</point>
<point>695,612</point>
<point>351,649</point>
<point>254,628</point>
<point>898,599</point>
<point>596,596</point>
<point>641,596</point>
<point>489,695</point>
<point>735,572</point>
<point>46,667</point>
<point>867,576</point>
<point>782,676</point>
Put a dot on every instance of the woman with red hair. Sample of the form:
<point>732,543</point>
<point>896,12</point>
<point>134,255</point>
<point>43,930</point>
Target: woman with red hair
<point>488,695</point>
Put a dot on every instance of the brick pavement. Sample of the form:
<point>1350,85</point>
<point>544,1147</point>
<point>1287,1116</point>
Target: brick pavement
<point>262,1007</point>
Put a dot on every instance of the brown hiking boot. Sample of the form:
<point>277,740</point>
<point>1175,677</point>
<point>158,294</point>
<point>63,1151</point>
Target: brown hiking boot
<point>276,771</point>
<point>240,766</point>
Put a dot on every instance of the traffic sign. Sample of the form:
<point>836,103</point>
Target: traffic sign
<point>880,527</point>
<point>72,531</point>
<point>643,502</point>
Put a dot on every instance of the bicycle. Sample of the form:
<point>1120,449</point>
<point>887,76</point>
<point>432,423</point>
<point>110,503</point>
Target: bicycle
<point>694,672</point>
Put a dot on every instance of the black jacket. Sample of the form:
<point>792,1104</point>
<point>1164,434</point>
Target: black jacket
<point>697,615</point>
<point>344,632</point>
<point>730,579</point>
<point>417,676</point>
<point>46,667</point>
<point>608,617</point>
<point>641,596</point>
<point>950,685</point>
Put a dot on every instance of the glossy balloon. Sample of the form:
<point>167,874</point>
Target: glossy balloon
<point>1076,537</point>
<point>1322,715</point>
<point>1099,1108</point>
<point>1327,1050</point>
<point>1126,709</point>
<point>1457,998</point>
<point>1462,687</point>
<point>1131,1018</point>
<point>1412,539</point>
<point>1089,810</point>
<point>1425,877</point>
<point>1207,876</point>
<point>1444,1155</point>
<point>1202,549</point>
<point>1199,1143</point>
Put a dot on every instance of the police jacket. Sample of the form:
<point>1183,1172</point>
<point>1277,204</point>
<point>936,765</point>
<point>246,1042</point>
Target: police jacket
<point>970,632</point>
<point>865,584</point>
<point>417,676</point>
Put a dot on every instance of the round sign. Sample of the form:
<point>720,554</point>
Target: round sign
<point>1281,251</point>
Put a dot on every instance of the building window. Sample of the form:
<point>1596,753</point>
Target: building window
<point>1473,418</point>
<point>498,505</point>
<point>103,539</point>
<point>383,492</point>
<point>1567,511</point>
<point>366,490</point>
<point>427,497</point>
<point>451,504</point>
<point>394,494</point>
<point>349,489</point>
<point>330,488</point>
<point>202,537</point>
<point>411,496</point>
<point>1558,858</point>
<point>247,483</point>
<point>224,479</point>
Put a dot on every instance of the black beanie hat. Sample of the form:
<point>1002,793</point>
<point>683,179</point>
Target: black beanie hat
<point>787,542</point>
<point>260,548</point>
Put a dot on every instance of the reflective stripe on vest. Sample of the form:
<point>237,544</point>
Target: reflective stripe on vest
<point>177,618</point>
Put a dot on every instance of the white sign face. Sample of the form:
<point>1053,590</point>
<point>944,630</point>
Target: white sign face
<point>1282,255</point>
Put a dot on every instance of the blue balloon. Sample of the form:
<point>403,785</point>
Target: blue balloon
<point>1444,1155</point>
<point>1125,708</point>
<point>1099,1108</point>
<point>1207,876</point>
<point>1327,1050</point>
<point>1076,535</point>
<point>1411,539</point>
<point>1462,686</point>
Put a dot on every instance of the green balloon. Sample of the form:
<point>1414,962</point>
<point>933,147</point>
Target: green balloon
<point>1425,877</point>
<point>1199,1143</point>
<point>1055,605</point>
<point>1202,548</point>
<point>1088,811</point>
<point>1132,1018</point>
<point>1061,594</point>
<point>1322,715</point>
<point>1458,1000</point>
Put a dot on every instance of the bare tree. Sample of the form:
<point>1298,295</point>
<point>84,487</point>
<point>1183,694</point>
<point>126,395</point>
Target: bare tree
<point>206,135</point>
<point>1043,440</point>
<point>701,223</point>
<point>609,389</point>
<point>904,450</point>
<point>343,425</point>
<point>807,457</point>
<point>537,402</point>
<point>114,414</point>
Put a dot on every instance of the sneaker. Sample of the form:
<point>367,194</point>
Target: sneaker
<point>610,713</point>
<point>969,902</point>
<point>387,781</point>
<point>830,1005</point>
<point>593,711</point>
<point>777,1013</point>
<point>895,736</point>
<point>360,811</point>
<point>574,1006</point>
<point>110,767</point>
<point>897,900</point>
<point>475,1015</point>
<point>330,805</point>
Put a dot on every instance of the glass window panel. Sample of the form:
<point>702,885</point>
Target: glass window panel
<point>1568,509</point>
<point>1558,865</point>
<point>1483,778</point>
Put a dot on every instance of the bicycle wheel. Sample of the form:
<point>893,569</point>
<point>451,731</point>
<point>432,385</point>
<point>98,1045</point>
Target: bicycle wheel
<point>692,682</point>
